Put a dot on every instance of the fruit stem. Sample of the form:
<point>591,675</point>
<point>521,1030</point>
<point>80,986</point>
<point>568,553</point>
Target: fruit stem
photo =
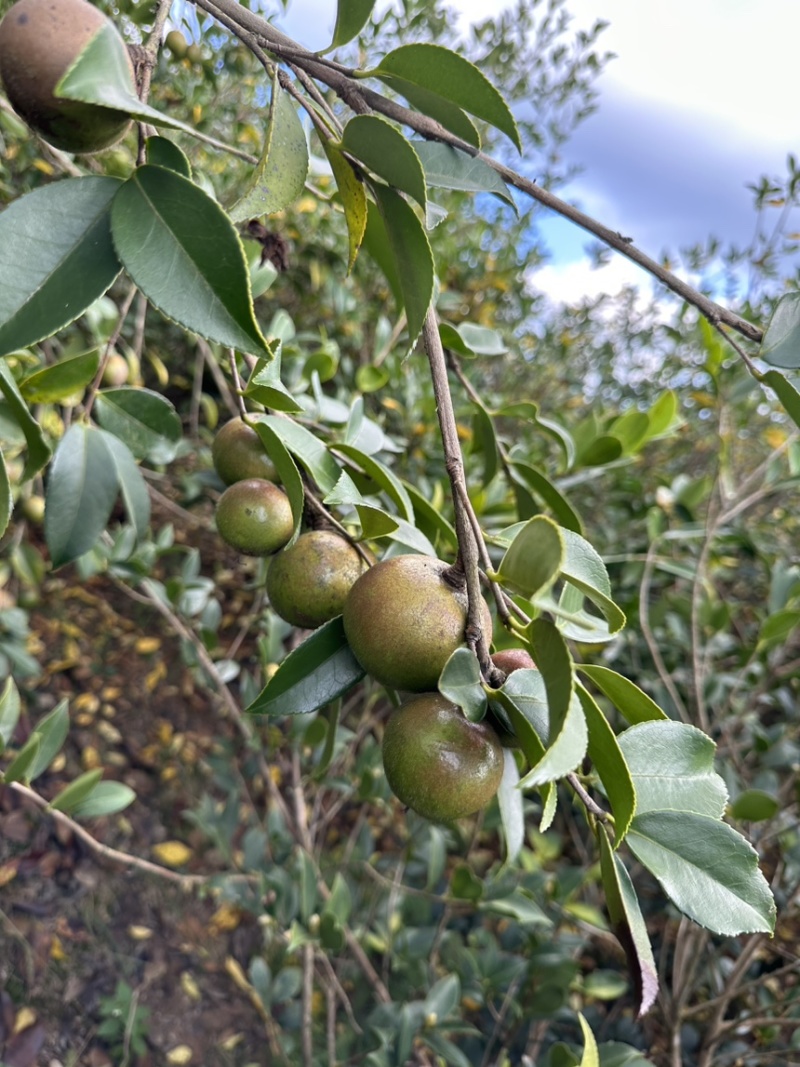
<point>468,548</point>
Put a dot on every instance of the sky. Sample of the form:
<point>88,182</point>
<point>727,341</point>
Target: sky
<point>700,100</point>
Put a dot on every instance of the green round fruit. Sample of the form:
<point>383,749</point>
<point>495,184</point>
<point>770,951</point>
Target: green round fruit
<point>437,762</point>
<point>403,621</point>
<point>176,43</point>
<point>255,517</point>
<point>238,453</point>
<point>39,41</point>
<point>307,583</point>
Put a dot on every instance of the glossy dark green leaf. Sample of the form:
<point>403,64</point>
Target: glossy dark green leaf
<point>534,558</point>
<point>484,441</point>
<point>131,483</point>
<point>470,339</point>
<point>430,519</point>
<point>10,708</point>
<point>618,1054</point>
<point>706,868</point>
<point>460,682</point>
<point>786,393</point>
<point>602,450</point>
<point>565,752</point>
<point>265,386</point>
<point>101,74</point>
<point>38,448</point>
<point>351,18</point>
<point>509,799</point>
<point>437,107</point>
<point>81,489</point>
<point>160,218</point>
<point>107,798</point>
<point>413,259</point>
<point>311,452</point>
<point>286,468</point>
<point>76,792</point>
<point>609,762</point>
<point>672,765</point>
<point>629,700</point>
<point>313,675</point>
<point>584,569</point>
<point>449,168</point>
<point>552,657</point>
<point>145,420</point>
<point>781,344</point>
<point>447,74</point>
<point>61,380</point>
<point>376,241</point>
<point>280,177</point>
<point>52,733</point>
<point>58,257</point>
<point>383,477</point>
<point>628,923</point>
<point>375,522</point>
<point>162,152</point>
<point>382,149</point>
<point>544,489</point>
<point>754,805</point>
<point>6,501</point>
<point>353,197</point>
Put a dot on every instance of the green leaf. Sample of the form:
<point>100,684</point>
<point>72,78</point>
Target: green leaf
<point>131,483</point>
<point>449,168</point>
<point>775,629</point>
<point>286,468</point>
<point>629,700</point>
<point>590,1056</point>
<point>314,674</point>
<point>183,252</point>
<point>664,414</point>
<point>265,386</point>
<point>443,997</point>
<point>376,241</point>
<point>781,344</point>
<point>6,501</point>
<point>460,682</point>
<point>38,448</point>
<point>280,177</point>
<point>469,339</point>
<point>534,558</point>
<point>754,805</point>
<point>375,522</point>
<point>542,487</point>
<point>384,150</point>
<point>162,152</point>
<point>76,792</point>
<point>609,762</point>
<point>101,74</point>
<point>631,429</point>
<point>584,569</point>
<point>52,733</point>
<point>552,656</point>
<point>384,478</point>
<point>10,709</point>
<point>354,199</point>
<point>61,380</point>
<point>429,518</point>
<point>411,252</point>
<point>144,420</point>
<point>443,72</point>
<point>708,870</point>
<point>484,441</point>
<point>628,922</point>
<point>509,798</point>
<point>18,768</point>
<point>58,257</point>
<point>107,798</point>
<point>786,393</point>
<point>672,765</point>
<point>602,450</point>
<point>81,489</point>
<point>311,452</point>
<point>351,17</point>
<point>617,1054</point>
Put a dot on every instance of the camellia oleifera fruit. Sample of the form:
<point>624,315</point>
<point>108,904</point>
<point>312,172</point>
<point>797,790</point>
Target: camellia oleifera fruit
<point>307,583</point>
<point>404,619</point>
<point>39,42</point>
<point>238,453</point>
<point>255,517</point>
<point>509,660</point>
<point>437,762</point>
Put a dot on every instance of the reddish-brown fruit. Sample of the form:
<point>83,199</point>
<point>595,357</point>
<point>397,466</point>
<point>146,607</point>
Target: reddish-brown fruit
<point>509,660</point>
<point>308,583</point>
<point>238,453</point>
<point>403,621</point>
<point>254,516</point>
<point>437,762</point>
<point>39,42</point>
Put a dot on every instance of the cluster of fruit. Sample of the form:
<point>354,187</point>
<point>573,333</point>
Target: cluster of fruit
<point>403,618</point>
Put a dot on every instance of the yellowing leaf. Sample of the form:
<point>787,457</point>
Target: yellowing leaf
<point>181,1054</point>
<point>140,933</point>
<point>190,987</point>
<point>172,853</point>
<point>146,645</point>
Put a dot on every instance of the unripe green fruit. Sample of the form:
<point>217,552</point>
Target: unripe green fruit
<point>403,621</point>
<point>437,762</point>
<point>194,53</point>
<point>176,43</point>
<point>255,517</point>
<point>307,583</point>
<point>39,42</point>
<point>238,453</point>
<point>116,370</point>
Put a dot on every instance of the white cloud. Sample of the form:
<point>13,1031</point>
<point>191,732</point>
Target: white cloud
<point>570,283</point>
